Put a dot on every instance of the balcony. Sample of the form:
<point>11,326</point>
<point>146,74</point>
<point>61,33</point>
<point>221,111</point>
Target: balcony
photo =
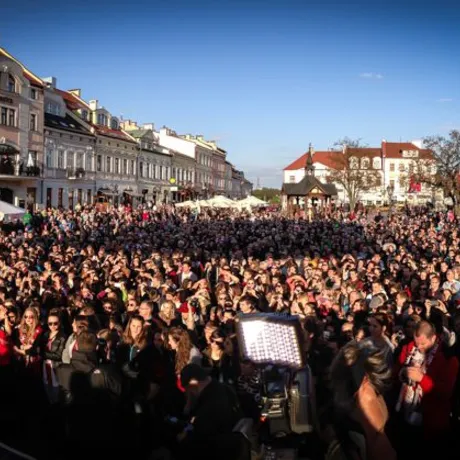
<point>75,173</point>
<point>14,168</point>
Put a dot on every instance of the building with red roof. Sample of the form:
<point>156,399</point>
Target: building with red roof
<point>395,162</point>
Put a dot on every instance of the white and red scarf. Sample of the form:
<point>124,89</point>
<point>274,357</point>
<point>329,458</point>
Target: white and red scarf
<point>411,394</point>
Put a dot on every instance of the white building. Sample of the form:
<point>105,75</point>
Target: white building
<point>154,164</point>
<point>69,173</point>
<point>394,162</point>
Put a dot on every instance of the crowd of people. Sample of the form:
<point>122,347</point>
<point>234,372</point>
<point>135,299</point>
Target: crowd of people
<point>117,329</point>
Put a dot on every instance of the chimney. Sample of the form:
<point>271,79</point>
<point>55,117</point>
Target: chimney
<point>77,92</point>
<point>311,150</point>
<point>52,81</point>
<point>93,104</point>
<point>149,126</point>
<point>384,141</point>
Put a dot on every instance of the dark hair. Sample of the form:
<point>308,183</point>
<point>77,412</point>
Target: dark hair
<point>87,342</point>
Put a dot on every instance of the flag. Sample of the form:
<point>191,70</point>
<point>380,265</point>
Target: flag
<point>414,186</point>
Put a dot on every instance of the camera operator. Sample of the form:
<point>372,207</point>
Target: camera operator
<point>214,411</point>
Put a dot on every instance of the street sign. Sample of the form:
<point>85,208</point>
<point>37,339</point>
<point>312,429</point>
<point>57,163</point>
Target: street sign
<point>174,189</point>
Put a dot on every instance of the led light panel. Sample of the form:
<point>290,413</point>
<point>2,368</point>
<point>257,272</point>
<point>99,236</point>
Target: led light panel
<point>272,339</point>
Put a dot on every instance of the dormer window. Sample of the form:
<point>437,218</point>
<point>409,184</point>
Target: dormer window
<point>354,163</point>
<point>365,163</point>
<point>84,114</point>
<point>114,124</point>
<point>11,84</point>
<point>101,119</point>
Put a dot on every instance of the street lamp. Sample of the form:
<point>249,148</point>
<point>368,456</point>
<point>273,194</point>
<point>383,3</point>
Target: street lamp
<point>390,191</point>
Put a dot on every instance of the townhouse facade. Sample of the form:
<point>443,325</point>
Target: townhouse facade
<point>21,133</point>
<point>155,163</point>
<point>56,149</point>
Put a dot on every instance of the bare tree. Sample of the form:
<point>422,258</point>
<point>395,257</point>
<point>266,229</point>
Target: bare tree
<point>442,171</point>
<point>355,176</point>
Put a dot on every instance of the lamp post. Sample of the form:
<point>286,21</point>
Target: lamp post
<point>390,191</point>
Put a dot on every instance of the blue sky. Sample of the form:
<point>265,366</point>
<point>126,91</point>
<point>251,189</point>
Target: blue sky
<point>264,78</point>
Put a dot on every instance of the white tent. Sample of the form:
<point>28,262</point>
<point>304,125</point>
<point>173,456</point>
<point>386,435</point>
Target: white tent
<point>252,201</point>
<point>220,201</point>
<point>8,212</point>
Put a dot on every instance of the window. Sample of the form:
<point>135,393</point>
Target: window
<point>141,169</point>
<point>49,157</point>
<point>114,124</point>
<point>70,160</point>
<point>80,159</point>
<point>84,114</point>
<point>365,163</point>
<point>99,163</point>
<point>166,173</point>
<point>101,119</point>
<point>392,184</point>
<point>392,167</point>
<point>107,164</point>
<point>292,179</point>
<point>161,172</point>
<point>33,94</point>
<point>402,167</point>
<point>4,116</point>
<point>89,165</point>
<point>33,122</point>
<point>125,166</point>
<point>8,117</point>
<point>376,163</point>
<point>60,159</point>
<point>133,167</point>
<point>353,163</point>
<point>117,166</point>
<point>11,84</point>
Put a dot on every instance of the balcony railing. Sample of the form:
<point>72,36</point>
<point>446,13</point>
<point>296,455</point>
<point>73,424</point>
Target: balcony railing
<point>10,167</point>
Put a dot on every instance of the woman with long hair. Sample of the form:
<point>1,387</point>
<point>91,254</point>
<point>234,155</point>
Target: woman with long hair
<point>132,358</point>
<point>167,316</point>
<point>218,360</point>
<point>52,344</point>
<point>185,352</point>
<point>29,331</point>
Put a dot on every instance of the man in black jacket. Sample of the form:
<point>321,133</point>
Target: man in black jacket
<point>90,393</point>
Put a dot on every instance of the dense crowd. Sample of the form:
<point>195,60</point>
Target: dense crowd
<point>117,329</point>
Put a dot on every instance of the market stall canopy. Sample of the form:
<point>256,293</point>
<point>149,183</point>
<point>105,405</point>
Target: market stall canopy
<point>220,201</point>
<point>8,212</point>
<point>252,201</point>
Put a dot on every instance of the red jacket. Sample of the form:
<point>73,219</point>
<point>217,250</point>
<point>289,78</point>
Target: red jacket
<point>438,385</point>
<point>6,349</point>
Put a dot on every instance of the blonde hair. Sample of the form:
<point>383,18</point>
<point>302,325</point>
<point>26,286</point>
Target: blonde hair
<point>24,329</point>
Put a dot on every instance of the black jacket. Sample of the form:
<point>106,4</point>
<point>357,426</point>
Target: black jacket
<point>57,347</point>
<point>84,382</point>
<point>90,396</point>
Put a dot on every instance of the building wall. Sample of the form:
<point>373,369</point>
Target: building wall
<point>173,142</point>
<point>20,135</point>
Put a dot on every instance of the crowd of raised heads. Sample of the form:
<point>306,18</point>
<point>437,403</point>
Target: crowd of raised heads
<point>101,313</point>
